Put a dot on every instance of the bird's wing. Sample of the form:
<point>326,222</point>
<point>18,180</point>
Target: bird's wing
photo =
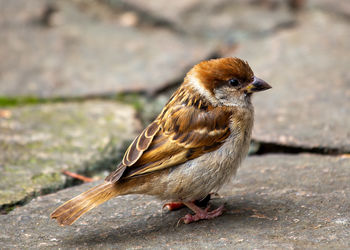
<point>135,151</point>
<point>179,134</point>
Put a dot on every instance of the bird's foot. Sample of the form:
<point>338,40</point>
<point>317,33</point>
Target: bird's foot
<point>201,214</point>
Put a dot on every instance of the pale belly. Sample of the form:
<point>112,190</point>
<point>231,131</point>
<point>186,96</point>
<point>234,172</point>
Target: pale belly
<point>195,179</point>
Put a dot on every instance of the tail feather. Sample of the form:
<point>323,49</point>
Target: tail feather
<point>70,211</point>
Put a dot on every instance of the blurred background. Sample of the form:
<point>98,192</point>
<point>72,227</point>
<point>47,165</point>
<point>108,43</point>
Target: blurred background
<point>80,78</point>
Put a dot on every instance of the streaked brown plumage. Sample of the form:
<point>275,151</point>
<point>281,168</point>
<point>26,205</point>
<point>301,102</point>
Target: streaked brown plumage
<point>192,148</point>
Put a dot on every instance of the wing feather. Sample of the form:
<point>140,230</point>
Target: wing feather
<point>135,151</point>
<point>183,131</point>
<point>182,139</point>
<point>140,144</point>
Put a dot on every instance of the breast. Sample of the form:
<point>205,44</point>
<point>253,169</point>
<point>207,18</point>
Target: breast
<point>196,178</point>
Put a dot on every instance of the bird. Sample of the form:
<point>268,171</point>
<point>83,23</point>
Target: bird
<point>192,148</point>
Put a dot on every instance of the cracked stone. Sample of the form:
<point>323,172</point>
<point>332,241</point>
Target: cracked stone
<point>308,105</point>
<point>37,142</point>
<point>85,55</point>
<point>276,201</point>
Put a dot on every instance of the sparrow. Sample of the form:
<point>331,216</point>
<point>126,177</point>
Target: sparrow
<point>191,149</point>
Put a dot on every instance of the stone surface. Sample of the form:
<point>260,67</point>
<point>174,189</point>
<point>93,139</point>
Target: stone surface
<point>341,8</point>
<point>308,68</point>
<point>84,48</point>
<point>85,54</point>
<point>276,201</point>
<point>37,142</point>
<point>223,20</point>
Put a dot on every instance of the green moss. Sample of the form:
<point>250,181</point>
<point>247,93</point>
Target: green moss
<point>25,100</point>
<point>46,178</point>
<point>15,101</point>
<point>134,99</point>
<point>68,136</point>
<point>30,100</point>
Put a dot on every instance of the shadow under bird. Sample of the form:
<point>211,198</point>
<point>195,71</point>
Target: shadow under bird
<point>191,149</point>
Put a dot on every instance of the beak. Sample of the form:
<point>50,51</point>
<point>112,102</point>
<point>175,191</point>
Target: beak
<point>257,85</point>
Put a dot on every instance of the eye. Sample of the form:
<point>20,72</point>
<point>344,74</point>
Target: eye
<point>233,82</point>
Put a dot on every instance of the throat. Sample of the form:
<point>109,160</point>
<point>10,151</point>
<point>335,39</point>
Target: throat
<point>243,101</point>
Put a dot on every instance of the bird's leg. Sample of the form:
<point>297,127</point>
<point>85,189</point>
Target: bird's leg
<point>172,206</point>
<point>201,214</point>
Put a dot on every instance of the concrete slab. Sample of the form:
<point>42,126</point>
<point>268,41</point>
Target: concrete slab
<point>37,142</point>
<point>307,67</point>
<point>276,201</point>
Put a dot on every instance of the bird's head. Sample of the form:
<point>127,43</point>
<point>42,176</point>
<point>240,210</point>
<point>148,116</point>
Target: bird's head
<point>225,81</point>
